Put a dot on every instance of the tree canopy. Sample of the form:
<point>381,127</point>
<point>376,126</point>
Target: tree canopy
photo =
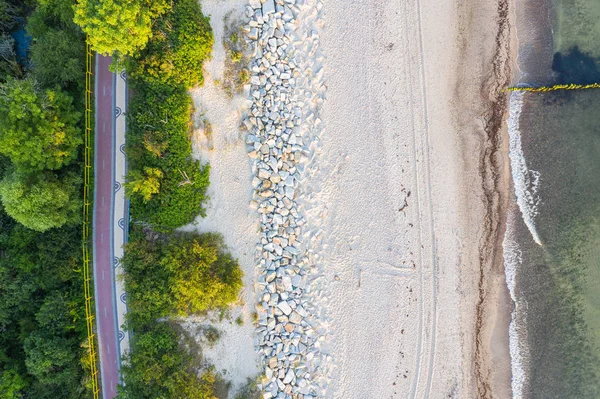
<point>41,201</point>
<point>38,129</point>
<point>181,41</point>
<point>121,26</point>
<point>42,317</point>
<point>58,58</point>
<point>41,313</point>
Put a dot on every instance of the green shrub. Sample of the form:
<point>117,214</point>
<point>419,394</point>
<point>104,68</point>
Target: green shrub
<point>159,366</point>
<point>250,390</point>
<point>158,137</point>
<point>212,335</point>
<point>178,274</point>
<point>181,41</point>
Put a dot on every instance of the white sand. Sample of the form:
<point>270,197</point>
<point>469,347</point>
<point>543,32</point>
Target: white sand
<point>398,271</point>
<point>230,192</point>
<point>401,269</point>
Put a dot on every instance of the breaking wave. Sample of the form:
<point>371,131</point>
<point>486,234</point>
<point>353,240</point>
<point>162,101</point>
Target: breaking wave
<point>517,332</point>
<point>525,180</point>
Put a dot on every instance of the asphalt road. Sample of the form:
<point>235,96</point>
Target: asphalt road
<point>106,316</point>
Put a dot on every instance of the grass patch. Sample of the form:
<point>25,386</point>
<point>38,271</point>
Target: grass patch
<point>236,73</point>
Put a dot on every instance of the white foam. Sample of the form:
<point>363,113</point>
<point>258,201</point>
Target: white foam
<point>517,331</point>
<point>525,181</point>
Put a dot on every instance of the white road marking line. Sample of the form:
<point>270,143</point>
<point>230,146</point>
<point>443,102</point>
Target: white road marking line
<point>108,348</point>
<point>102,274</point>
<point>102,200</point>
<point>105,312</point>
<point>102,237</point>
<point>103,164</point>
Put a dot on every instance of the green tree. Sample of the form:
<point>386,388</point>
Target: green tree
<point>145,184</point>
<point>11,384</point>
<point>51,359</point>
<point>8,15</point>
<point>159,367</point>
<point>58,58</point>
<point>181,41</point>
<point>41,201</point>
<point>37,129</point>
<point>121,26</point>
<point>52,14</point>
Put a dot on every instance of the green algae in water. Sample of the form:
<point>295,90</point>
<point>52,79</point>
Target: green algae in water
<point>577,24</point>
<point>561,280</point>
<point>558,284</point>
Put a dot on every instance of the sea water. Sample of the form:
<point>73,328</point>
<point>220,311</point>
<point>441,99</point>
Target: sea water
<point>552,243</point>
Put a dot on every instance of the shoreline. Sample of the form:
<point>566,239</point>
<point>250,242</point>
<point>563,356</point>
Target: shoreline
<point>491,353</point>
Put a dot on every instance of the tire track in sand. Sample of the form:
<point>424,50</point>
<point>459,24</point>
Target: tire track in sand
<point>426,365</point>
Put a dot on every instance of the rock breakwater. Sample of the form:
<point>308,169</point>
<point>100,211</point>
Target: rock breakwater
<point>283,126</point>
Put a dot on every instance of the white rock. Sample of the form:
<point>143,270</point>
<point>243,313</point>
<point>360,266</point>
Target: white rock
<point>268,7</point>
<point>289,376</point>
<point>295,318</point>
<point>253,33</point>
<point>285,307</point>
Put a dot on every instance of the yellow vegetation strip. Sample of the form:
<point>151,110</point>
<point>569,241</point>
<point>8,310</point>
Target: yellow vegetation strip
<point>543,89</point>
<point>87,273</point>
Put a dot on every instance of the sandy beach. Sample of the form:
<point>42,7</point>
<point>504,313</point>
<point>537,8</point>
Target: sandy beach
<point>404,194</point>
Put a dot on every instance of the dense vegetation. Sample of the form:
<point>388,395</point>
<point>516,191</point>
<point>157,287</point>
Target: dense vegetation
<point>167,274</point>
<point>161,366</point>
<point>42,324</point>
<point>174,274</point>
<point>166,186</point>
<point>42,327</point>
<point>118,26</point>
<point>40,125</point>
<point>178,274</point>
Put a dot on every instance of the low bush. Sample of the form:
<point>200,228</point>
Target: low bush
<point>158,139</point>
<point>160,366</point>
<point>178,274</point>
